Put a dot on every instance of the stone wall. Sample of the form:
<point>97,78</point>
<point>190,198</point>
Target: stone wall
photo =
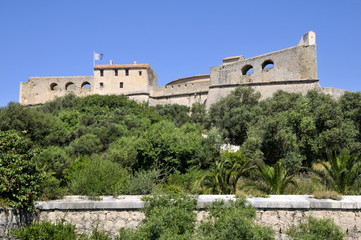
<point>11,219</point>
<point>110,214</point>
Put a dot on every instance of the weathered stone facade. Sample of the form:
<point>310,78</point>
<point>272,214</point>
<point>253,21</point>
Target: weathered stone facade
<point>110,214</point>
<point>292,69</point>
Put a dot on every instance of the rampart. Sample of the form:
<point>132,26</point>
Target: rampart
<point>110,214</point>
<point>293,69</point>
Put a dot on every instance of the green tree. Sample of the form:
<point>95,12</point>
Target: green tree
<point>199,113</point>
<point>55,162</point>
<point>177,113</point>
<point>334,132</point>
<point>351,108</point>
<point>341,172</point>
<point>22,118</point>
<point>68,101</point>
<point>233,114</point>
<point>20,179</point>
<point>167,147</point>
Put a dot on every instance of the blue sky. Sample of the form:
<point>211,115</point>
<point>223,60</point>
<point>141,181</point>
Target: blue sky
<point>177,38</point>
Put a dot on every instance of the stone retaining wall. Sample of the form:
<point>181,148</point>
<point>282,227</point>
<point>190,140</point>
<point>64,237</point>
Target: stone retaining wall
<point>110,214</point>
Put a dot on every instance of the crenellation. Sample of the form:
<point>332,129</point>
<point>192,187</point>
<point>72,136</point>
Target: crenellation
<point>292,69</point>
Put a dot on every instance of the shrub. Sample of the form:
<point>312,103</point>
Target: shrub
<point>327,195</point>
<point>47,231</point>
<point>144,182</point>
<point>167,217</point>
<point>170,148</point>
<point>85,145</point>
<point>99,177</point>
<point>20,179</point>
<point>55,161</point>
<point>57,231</point>
<point>185,183</point>
<point>123,151</point>
<point>320,229</point>
<point>235,221</point>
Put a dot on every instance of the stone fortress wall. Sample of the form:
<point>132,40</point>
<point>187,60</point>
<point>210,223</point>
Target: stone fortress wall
<point>292,69</point>
<point>112,213</point>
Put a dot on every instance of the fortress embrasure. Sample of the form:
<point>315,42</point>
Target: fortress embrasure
<point>292,69</point>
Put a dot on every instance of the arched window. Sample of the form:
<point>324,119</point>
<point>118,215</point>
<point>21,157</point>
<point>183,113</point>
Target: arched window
<point>267,64</point>
<point>53,86</point>
<point>247,70</point>
<point>70,86</point>
<point>86,86</point>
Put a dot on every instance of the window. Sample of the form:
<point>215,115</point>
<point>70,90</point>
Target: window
<point>70,86</point>
<point>116,72</point>
<point>121,85</point>
<point>101,72</point>
<point>53,86</point>
<point>247,70</point>
<point>86,86</point>
<point>126,72</point>
<point>101,85</point>
<point>267,64</point>
<point>140,73</point>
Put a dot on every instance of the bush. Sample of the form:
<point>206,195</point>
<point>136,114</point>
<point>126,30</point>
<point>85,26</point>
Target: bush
<point>85,145</point>
<point>144,182</point>
<point>327,195</point>
<point>20,179</point>
<point>235,221</point>
<point>123,151</point>
<point>167,217</point>
<point>170,148</point>
<point>320,229</point>
<point>55,161</point>
<point>57,231</point>
<point>99,177</point>
<point>47,231</point>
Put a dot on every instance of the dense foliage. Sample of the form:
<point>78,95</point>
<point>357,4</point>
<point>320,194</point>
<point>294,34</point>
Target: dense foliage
<point>57,231</point>
<point>20,179</point>
<point>321,229</point>
<point>174,217</point>
<point>235,221</point>
<point>98,145</point>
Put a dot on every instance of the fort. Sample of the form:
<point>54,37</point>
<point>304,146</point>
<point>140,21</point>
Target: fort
<point>293,69</point>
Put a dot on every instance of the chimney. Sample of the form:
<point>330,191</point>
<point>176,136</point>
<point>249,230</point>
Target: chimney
<point>111,62</point>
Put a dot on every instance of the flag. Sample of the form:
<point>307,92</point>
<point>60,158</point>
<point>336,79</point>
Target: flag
<point>98,56</point>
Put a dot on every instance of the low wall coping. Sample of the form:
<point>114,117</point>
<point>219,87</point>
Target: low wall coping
<point>130,202</point>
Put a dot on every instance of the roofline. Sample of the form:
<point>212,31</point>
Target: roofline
<point>122,66</point>
<point>189,78</point>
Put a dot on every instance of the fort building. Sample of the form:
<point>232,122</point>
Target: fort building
<point>292,69</point>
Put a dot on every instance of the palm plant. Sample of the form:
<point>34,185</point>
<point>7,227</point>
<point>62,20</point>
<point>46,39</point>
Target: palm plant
<point>341,172</point>
<point>223,178</point>
<point>275,179</point>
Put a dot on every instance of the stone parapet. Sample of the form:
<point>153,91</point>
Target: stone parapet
<point>127,202</point>
<point>112,213</point>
